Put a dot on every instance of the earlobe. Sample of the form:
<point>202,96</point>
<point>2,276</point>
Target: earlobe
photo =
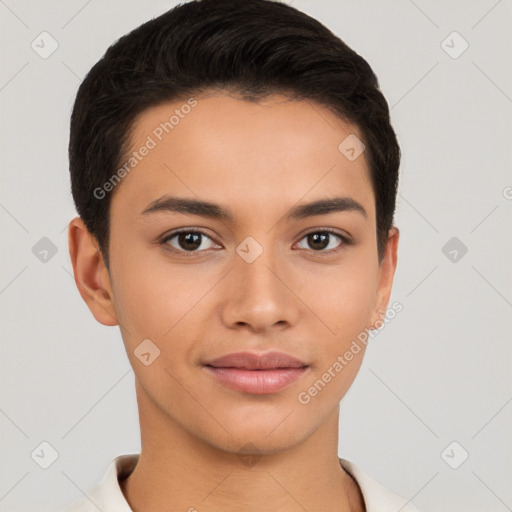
<point>91,276</point>
<point>387,272</point>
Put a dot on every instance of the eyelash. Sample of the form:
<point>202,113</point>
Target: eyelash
<point>345,241</point>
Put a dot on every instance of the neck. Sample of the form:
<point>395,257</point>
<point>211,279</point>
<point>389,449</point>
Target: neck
<point>179,471</point>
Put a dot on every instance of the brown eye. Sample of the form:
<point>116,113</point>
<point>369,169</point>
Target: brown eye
<point>319,241</point>
<point>186,240</point>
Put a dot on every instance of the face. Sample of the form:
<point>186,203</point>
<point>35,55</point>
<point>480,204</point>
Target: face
<point>263,277</point>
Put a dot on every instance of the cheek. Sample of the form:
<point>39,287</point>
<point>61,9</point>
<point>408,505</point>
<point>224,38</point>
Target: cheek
<point>344,305</point>
<point>155,299</point>
<point>155,303</point>
<point>344,298</point>
<point>142,297</point>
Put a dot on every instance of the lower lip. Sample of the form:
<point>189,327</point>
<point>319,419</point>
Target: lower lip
<point>258,382</point>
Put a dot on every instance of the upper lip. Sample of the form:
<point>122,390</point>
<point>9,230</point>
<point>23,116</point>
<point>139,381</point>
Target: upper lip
<point>252,361</point>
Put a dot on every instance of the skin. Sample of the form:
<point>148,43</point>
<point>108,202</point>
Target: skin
<point>258,160</point>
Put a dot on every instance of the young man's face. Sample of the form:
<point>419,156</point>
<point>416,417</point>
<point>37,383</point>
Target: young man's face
<point>253,283</point>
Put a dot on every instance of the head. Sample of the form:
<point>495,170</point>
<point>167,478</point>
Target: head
<point>257,109</point>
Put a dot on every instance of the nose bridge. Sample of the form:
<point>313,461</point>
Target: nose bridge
<point>259,295</point>
<point>256,264</point>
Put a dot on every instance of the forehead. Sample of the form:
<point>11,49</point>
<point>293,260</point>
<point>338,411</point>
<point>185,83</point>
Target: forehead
<point>228,150</point>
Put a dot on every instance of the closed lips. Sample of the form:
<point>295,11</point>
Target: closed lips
<point>254,373</point>
<point>251,361</point>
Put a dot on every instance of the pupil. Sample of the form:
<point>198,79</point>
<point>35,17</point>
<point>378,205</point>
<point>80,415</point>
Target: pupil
<point>315,237</point>
<point>192,239</point>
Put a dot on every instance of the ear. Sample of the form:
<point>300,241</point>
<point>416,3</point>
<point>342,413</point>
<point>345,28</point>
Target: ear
<point>387,272</point>
<point>91,275</point>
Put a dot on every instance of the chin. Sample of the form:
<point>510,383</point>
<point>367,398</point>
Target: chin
<point>258,438</point>
<point>250,443</point>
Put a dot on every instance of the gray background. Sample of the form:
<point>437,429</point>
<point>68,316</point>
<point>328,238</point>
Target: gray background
<point>438,373</point>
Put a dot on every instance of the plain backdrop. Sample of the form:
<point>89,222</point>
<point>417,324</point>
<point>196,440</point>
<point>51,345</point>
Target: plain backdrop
<point>430,412</point>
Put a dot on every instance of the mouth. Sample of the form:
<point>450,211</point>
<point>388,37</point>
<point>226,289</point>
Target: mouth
<point>257,373</point>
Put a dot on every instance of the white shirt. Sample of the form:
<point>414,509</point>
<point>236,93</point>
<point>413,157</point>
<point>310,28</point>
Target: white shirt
<point>107,495</point>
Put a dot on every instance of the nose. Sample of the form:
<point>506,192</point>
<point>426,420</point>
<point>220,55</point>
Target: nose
<point>260,292</point>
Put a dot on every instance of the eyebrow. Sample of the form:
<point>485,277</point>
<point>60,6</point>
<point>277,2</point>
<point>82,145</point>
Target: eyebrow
<point>214,211</point>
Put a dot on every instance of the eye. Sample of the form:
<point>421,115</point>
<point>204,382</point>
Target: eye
<point>322,239</point>
<point>187,240</point>
<point>190,241</point>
